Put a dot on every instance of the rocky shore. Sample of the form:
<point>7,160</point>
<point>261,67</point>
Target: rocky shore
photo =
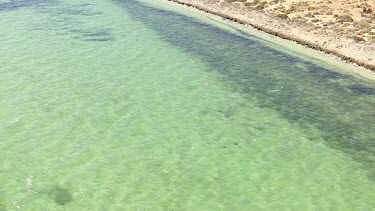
<point>344,28</point>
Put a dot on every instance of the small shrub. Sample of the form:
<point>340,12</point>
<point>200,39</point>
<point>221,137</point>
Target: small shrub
<point>367,10</point>
<point>358,39</point>
<point>282,16</point>
<point>345,18</point>
<point>311,8</point>
<point>309,15</point>
<point>259,7</point>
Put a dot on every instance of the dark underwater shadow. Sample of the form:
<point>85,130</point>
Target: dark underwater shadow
<point>64,19</point>
<point>58,194</point>
<point>19,4</point>
<point>339,105</point>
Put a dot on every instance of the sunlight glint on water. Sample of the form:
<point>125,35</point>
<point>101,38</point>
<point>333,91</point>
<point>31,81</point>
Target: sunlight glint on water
<point>100,109</point>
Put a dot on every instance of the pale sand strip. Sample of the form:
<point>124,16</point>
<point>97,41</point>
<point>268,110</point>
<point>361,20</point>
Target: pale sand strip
<point>340,46</point>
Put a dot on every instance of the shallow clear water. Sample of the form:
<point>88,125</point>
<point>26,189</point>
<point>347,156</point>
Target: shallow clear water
<point>118,105</point>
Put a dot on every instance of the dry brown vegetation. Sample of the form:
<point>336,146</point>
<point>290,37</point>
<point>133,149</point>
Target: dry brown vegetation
<point>352,18</point>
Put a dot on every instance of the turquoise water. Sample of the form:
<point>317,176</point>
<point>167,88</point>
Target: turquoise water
<point>118,105</point>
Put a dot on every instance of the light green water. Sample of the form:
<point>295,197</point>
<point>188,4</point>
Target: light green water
<point>115,105</point>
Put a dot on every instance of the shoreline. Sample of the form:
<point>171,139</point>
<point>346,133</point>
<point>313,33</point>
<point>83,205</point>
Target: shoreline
<point>350,52</point>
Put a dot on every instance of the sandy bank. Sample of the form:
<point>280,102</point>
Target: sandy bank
<point>351,39</point>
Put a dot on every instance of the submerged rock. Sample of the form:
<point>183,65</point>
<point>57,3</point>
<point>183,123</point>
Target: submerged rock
<point>60,195</point>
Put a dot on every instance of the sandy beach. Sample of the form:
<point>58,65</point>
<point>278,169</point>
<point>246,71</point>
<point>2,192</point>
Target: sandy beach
<point>342,28</point>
